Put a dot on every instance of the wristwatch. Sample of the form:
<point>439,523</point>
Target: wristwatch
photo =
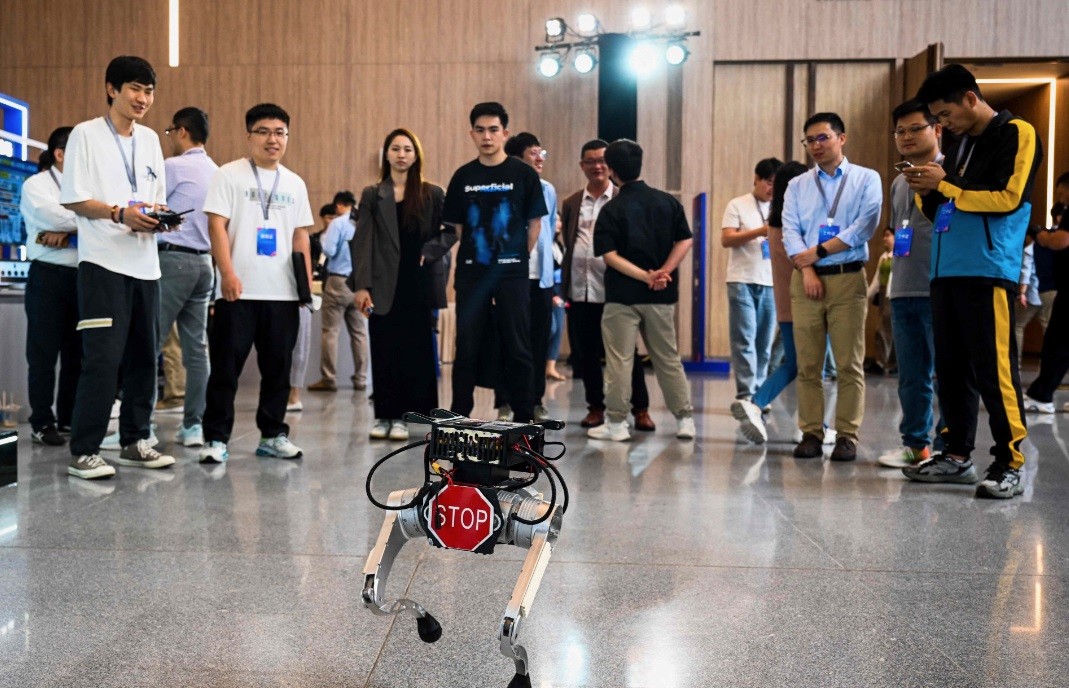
<point>821,251</point>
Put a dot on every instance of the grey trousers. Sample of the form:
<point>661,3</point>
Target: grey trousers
<point>185,289</point>
<point>299,366</point>
<point>337,306</point>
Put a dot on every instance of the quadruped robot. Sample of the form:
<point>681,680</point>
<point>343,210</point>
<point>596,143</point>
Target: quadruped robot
<point>485,498</point>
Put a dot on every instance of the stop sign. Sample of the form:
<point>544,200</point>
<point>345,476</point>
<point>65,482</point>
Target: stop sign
<point>461,517</point>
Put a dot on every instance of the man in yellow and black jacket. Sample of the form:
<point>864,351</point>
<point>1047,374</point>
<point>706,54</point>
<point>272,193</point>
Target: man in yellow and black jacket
<point>978,201</point>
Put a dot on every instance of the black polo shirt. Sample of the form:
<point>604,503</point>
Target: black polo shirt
<point>641,224</point>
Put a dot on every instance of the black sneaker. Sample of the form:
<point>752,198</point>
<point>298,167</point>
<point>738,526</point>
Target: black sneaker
<point>65,430</point>
<point>942,469</point>
<point>48,435</point>
<point>810,447</point>
<point>1001,482</point>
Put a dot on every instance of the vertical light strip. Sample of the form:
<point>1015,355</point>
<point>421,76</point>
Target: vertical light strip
<point>173,33</point>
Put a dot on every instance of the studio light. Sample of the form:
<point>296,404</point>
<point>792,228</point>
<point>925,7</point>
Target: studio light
<point>555,29</point>
<point>675,16</point>
<point>676,54</point>
<point>644,58</point>
<point>549,65</point>
<point>641,19</point>
<point>586,24</point>
<point>585,62</point>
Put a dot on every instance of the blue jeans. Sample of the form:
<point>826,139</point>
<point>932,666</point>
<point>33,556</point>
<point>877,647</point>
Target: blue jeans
<point>911,322</point>
<point>752,325</point>
<point>185,290</point>
<point>784,373</point>
<point>556,331</point>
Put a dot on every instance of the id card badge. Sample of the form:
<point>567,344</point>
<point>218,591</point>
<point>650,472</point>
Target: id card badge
<point>943,217</point>
<point>827,232</point>
<point>266,241</point>
<point>903,241</point>
<point>766,252</point>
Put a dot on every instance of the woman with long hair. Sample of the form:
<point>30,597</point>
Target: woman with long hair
<point>400,267</point>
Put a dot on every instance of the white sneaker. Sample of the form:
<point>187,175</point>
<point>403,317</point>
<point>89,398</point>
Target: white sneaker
<point>685,429</point>
<point>381,429</point>
<point>111,442</point>
<point>192,436</point>
<point>1035,406</point>
<point>279,447</point>
<point>295,407</point>
<point>90,467</point>
<point>398,431</point>
<point>829,437</point>
<point>617,432</point>
<point>751,423</point>
<point>115,408</point>
<point>214,452</point>
<point>504,413</point>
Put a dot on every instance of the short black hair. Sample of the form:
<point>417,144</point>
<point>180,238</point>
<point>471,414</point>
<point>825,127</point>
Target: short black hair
<point>265,111</point>
<point>595,144</point>
<point>949,84</point>
<point>789,171</point>
<point>328,209</point>
<point>1063,180</point>
<point>195,121</point>
<point>624,157</point>
<point>57,140</point>
<point>128,69</point>
<point>490,109</point>
<point>767,168</point>
<point>908,108</point>
<point>516,145</point>
<point>834,121</point>
<point>344,198</point>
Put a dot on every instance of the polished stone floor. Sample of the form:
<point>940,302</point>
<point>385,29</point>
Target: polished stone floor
<point>703,563</point>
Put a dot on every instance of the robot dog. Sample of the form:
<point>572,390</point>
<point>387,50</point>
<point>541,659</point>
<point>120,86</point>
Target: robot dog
<point>484,499</point>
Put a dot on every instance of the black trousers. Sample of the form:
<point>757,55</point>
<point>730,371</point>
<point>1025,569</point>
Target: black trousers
<point>51,333</point>
<point>270,326</point>
<point>1054,362</point>
<point>504,306</point>
<point>588,348</point>
<point>541,322</point>
<point>118,327</point>
<point>976,358</point>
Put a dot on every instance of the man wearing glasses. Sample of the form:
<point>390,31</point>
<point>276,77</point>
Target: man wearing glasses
<point>185,263</point>
<point>829,214</point>
<point>916,135</point>
<point>258,217</point>
<point>583,285</point>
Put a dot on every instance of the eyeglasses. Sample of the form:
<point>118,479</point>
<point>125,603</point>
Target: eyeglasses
<point>912,131</point>
<point>820,138</point>
<point>591,162</point>
<point>541,154</point>
<point>268,133</point>
<point>168,130</point>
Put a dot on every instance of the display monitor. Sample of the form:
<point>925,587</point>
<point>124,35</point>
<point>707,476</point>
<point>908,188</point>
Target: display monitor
<point>12,175</point>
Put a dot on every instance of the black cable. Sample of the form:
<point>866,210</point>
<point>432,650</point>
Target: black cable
<point>419,495</point>
<point>531,459</point>
<point>563,449</point>
<point>556,472</point>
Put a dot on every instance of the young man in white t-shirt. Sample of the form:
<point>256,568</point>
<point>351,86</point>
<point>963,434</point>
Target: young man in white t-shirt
<point>258,217</point>
<point>751,309</point>
<point>113,176</point>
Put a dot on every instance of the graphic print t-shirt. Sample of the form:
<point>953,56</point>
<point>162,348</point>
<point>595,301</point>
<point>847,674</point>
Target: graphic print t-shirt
<point>493,204</point>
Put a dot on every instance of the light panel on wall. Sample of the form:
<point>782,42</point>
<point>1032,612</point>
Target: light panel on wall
<point>172,33</point>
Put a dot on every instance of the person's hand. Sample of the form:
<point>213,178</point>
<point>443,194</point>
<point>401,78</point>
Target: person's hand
<point>134,217</point>
<point>764,230</point>
<point>231,287</point>
<point>558,302</point>
<point>1022,298</point>
<point>54,239</point>
<point>805,258</point>
<point>814,288</point>
<point>362,301</point>
<point>925,177</point>
<point>658,279</point>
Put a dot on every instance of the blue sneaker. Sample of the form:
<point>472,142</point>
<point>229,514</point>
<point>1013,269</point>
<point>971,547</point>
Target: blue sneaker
<point>193,436</point>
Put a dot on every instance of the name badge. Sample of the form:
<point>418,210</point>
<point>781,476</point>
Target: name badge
<point>827,232</point>
<point>266,241</point>
<point>766,252</point>
<point>943,217</point>
<point>903,242</point>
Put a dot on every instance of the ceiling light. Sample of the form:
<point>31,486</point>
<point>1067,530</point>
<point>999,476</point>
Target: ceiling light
<point>644,58</point>
<point>555,29</point>
<point>587,23</point>
<point>675,16</point>
<point>641,19</point>
<point>676,54</point>
<point>585,62</point>
<point>549,65</point>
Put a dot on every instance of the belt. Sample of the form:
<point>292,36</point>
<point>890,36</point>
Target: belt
<point>181,249</point>
<point>840,269</point>
<point>337,274</point>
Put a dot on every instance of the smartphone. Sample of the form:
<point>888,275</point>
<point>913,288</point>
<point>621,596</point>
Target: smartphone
<point>903,166</point>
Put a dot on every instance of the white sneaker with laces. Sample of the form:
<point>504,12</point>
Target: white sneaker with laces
<point>381,429</point>
<point>751,424</point>
<point>279,447</point>
<point>685,429</point>
<point>1035,406</point>
<point>214,452</point>
<point>617,432</point>
<point>398,431</point>
<point>192,436</point>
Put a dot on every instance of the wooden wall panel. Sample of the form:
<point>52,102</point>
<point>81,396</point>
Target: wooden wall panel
<point>759,30</point>
<point>965,27</point>
<point>42,44</point>
<point>853,30</point>
<point>1061,143</point>
<point>1034,107</point>
<point>225,33</point>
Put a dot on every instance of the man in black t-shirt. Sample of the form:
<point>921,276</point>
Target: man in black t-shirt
<point>495,203</point>
<point>644,236</point>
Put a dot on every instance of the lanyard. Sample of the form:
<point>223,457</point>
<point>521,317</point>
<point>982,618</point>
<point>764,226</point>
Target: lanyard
<point>764,220</point>
<point>53,175</point>
<point>965,165</point>
<point>907,210</point>
<point>131,164</point>
<point>838,194</point>
<point>265,204</point>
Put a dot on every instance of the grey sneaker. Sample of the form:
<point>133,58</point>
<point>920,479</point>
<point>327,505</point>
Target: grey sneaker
<point>142,454</point>
<point>381,429</point>
<point>942,469</point>
<point>90,467</point>
<point>751,424</point>
<point>214,452</point>
<point>541,413</point>
<point>1001,482</point>
<point>279,447</point>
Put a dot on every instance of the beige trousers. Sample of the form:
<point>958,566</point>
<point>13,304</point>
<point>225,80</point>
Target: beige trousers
<point>338,305</point>
<point>174,385</point>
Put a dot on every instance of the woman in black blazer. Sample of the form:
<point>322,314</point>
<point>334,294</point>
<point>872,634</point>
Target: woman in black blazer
<point>400,266</point>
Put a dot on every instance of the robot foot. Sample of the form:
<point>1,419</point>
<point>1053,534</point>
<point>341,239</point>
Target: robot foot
<point>430,630</point>
<point>520,681</point>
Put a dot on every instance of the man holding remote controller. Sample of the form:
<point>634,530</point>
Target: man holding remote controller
<point>114,177</point>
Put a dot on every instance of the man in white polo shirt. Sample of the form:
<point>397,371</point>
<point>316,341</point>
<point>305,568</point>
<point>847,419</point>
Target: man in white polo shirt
<point>258,217</point>
<point>113,176</point>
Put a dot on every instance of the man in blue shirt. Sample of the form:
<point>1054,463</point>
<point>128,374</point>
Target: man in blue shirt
<point>338,300</point>
<point>829,214</point>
